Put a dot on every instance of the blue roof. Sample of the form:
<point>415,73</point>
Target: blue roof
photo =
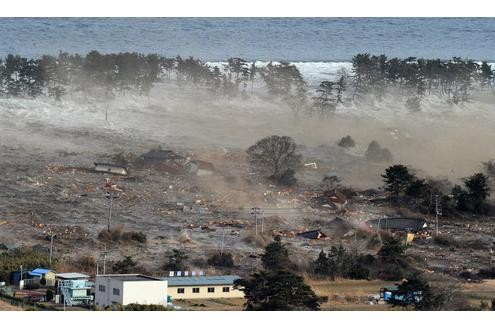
<point>201,280</point>
<point>39,272</point>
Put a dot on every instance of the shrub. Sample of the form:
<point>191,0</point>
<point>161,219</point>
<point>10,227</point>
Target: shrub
<point>378,154</point>
<point>346,142</point>
<point>444,240</point>
<point>116,235</point>
<point>488,273</point>
<point>221,260</point>
<point>104,235</point>
<point>134,236</point>
<point>144,307</point>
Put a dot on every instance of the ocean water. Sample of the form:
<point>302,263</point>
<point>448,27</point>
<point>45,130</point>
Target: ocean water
<point>292,39</point>
<point>318,46</point>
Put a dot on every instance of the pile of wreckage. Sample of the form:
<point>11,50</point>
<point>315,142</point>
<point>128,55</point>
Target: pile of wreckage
<point>411,227</point>
<point>333,200</point>
<point>159,160</point>
<point>338,227</point>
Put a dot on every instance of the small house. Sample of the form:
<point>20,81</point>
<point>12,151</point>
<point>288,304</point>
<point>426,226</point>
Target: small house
<point>74,288</point>
<point>201,168</point>
<point>40,275</point>
<point>125,289</point>
<point>203,287</point>
<point>111,168</point>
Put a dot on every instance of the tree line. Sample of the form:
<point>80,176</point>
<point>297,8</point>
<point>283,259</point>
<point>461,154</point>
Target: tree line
<point>416,77</point>
<point>120,73</point>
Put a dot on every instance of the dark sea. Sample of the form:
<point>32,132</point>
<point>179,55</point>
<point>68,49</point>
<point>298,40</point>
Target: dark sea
<point>291,39</point>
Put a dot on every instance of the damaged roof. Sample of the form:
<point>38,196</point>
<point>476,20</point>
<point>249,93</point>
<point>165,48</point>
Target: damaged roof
<point>401,224</point>
<point>120,166</point>
<point>312,234</point>
<point>160,155</point>
<point>202,165</point>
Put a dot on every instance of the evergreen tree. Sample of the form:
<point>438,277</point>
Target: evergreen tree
<point>397,178</point>
<point>278,291</point>
<point>176,261</point>
<point>124,266</point>
<point>276,256</point>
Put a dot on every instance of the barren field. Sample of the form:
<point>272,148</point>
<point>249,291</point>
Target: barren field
<point>48,186</point>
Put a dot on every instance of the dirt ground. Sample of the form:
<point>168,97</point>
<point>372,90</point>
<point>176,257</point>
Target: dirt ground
<point>8,307</point>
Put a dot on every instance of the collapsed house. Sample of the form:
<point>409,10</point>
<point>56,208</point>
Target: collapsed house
<point>413,225</point>
<point>162,161</point>
<point>111,168</point>
<point>312,234</point>
<point>200,168</point>
<point>330,199</point>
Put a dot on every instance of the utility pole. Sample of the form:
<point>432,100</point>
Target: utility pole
<point>223,241</point>
<point>437,213</point>
<point>255,211</point>
<point>109,195</point>
<point>104,255</point>
<point>51,248</point>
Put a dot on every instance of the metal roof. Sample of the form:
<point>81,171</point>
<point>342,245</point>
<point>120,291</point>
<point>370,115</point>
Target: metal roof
<point>39,272</point>
<point>72,275</point>
<point>160,154</point>
<point>120,166</point>
<point>201,280</point>
<point>403,224</point>
<point>129,277</point>
<point>7,246</point>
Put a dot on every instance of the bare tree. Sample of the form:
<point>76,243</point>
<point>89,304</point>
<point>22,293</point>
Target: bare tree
<point>274,156</point>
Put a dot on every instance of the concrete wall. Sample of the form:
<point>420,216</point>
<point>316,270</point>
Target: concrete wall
<point>203,292</point>
<point>107,297</point>
<point>141,292</point>
<point>145,292</point>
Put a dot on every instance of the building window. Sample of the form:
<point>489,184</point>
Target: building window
<point>101,288</point>
<point>180,290</point>
<point>226,289</point>
<point>196,290</point>
<point>116,291</point>
<point>211,289</point>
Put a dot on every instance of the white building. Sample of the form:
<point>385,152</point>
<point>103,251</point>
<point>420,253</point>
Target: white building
<point>125,289</point>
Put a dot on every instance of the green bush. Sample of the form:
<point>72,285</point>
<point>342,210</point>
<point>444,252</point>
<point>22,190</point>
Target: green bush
<point>11,261</point>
